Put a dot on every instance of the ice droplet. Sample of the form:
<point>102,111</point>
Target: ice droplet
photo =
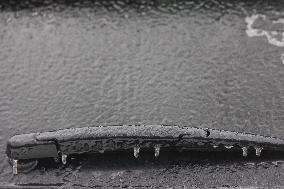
<point>245,151</point>
<point>258,151</point>
<point>102,151</point>
<point>15,166</point>
<point>136,151</point>
<point>64,159</point>
<point>229,147</point>
<point>157,150</point>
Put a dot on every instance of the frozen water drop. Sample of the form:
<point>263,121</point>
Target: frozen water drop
<point>258,151</point>
<point>229,147</point>
<point>64,159</point>
<point>200,143</point>
<point>136,151</point>
<point>157,150</point>
<point>15,167</point>
<point>245,151</point>
<point>101,151</point>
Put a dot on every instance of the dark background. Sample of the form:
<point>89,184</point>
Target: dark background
<point>81,63</point>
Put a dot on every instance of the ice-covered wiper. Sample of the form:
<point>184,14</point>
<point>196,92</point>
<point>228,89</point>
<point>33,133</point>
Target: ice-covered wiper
<point>63,143</point>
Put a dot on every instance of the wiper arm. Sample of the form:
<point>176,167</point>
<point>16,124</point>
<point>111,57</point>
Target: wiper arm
<point>62,143</point>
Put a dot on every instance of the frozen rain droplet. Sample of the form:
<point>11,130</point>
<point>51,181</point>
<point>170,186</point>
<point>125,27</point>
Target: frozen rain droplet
<point>101,151</point>
<point>200,143</point>
<point>64,159</point>
<point>245,151</point>
<point>258,151</point>
<point>229,147</point>
<point>15,166</point>
<point>157,150</point>
<point>136,151</point>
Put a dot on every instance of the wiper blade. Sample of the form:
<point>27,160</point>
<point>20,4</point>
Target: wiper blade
<point>62,143</point>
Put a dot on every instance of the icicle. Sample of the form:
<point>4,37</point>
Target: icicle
<point>258,151</point>
<point>215,146</point>
<point>157,150</point>
<point>102,151</point>
<point>136,151</point>
<point>15,166</point>
<point>229,147</point>
<point>245,151</point>
<point>64,159</point>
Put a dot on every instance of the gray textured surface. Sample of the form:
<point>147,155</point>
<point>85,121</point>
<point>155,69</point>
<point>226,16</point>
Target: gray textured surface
<point>192,62</point>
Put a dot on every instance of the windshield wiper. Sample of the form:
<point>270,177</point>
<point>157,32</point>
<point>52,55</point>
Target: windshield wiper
<point>62,143</point>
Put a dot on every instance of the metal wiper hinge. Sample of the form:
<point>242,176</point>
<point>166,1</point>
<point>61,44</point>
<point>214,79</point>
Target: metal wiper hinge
<point>62,143</point>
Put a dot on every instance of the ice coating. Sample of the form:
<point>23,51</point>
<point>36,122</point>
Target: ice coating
<point>122,131</point>
<point>274,37</point>
<point>142,132</point>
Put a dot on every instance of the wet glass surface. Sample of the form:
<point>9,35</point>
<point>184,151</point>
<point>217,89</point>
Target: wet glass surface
<point>216,64</point>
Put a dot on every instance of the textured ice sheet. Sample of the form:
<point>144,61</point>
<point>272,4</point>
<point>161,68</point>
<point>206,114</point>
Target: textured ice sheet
<point>112,62</point>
